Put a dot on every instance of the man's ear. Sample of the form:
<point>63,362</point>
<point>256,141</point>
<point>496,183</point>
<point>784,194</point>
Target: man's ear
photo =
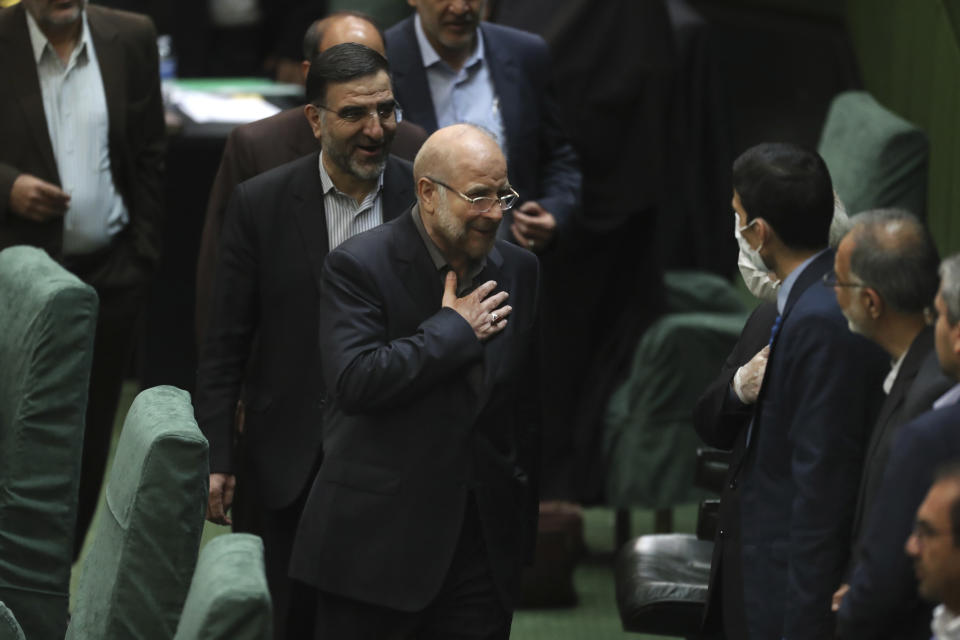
<point>426,195</point>
<point>313,115</point>
<point>873,302</point>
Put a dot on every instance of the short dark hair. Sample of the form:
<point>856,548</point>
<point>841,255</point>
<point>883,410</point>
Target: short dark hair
<point>318,28</point>
<point>341,63</point>
<point>950,472</point>
<point>790,188</point>
<point>895,255</point>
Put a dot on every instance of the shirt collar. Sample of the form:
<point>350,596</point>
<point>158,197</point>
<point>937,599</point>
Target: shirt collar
<point>945,624</point>
<point>784,293</point>
<point>429,55</point>
<point>949,398</point>
<point>39,41</point>
<point>437,257</point>
<point>326,182</point>
<point>894,372</point>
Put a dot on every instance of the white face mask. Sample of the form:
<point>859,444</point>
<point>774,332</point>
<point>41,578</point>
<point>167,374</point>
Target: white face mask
<point>760,282</point>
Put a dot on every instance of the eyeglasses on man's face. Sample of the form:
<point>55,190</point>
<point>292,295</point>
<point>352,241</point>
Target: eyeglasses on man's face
<point>483,204</point>
<point>386,112</point>
<point>830,279</point>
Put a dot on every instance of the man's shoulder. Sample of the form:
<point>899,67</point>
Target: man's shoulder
<point>125,22</point>
<point>399,32</point>
<point>937,430</point>
<point>279,180</point>
<point>503,35</point>
<point>287,124</point>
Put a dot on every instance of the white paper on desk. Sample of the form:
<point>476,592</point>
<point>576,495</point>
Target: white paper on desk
<point>202,107</point>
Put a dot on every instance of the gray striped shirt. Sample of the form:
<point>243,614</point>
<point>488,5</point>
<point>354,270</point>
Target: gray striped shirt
<point>76,112</point>
<point>346,218</point>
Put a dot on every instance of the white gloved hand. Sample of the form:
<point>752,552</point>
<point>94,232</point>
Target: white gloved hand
<point>749,377</point>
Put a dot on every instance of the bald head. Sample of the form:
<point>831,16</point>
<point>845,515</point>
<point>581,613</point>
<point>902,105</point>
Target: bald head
<point>456,149</point>
<point>341,27</point>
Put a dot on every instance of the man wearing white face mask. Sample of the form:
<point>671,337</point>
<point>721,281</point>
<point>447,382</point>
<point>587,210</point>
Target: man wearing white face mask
<point>790,492</point>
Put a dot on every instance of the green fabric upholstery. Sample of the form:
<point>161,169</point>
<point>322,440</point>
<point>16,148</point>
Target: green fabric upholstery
<point>649,444</point>
<point>137,572</point>
<point>9,627</point>
<point>48,319</point>
<point>876,158</point>
<point>228,598</point>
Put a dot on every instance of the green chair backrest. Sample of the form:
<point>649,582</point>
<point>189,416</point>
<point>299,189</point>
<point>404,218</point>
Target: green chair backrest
<point>137,572</point>
<point>876,158</point>
<point>229,598</point>
<point>9,627</point>
<point>47,323</point>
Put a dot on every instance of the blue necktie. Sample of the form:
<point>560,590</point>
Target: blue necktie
<point>775,329</point>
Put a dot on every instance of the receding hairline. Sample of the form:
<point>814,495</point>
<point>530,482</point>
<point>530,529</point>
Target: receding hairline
<point>438,149</point>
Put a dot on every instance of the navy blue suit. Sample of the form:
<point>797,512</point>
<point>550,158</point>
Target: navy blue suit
<point>541,161</point>
<point>883,600</point>
<point>786,512</point>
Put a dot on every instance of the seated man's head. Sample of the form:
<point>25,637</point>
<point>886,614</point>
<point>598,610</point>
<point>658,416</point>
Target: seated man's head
<point>351,109</point>
<point>783,198</point>
<point>934,544</point>
<point>947,325</point>
<point>886,272</point>
<point>462,191</point>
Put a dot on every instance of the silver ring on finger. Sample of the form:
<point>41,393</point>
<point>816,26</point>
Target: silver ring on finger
<point>494,318</point>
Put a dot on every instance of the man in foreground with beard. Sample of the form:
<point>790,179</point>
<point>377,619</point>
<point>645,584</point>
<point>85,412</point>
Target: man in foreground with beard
<point>425,506</point>
<point>261,343</point>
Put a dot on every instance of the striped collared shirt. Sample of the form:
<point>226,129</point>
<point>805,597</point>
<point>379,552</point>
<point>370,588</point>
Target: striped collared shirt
<point>76,113</point>
<point>346,218</point>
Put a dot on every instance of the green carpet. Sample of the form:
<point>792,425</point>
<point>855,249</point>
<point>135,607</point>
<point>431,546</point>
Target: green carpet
<point>595,616</point>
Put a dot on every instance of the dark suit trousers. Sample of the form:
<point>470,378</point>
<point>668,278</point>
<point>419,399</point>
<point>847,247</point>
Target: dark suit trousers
<point>467,607</point>
<point>115,338</point>
<point>294,603</point>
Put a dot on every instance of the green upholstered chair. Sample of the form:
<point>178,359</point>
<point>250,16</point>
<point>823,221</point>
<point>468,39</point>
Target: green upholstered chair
<point>136,575</point>
<point>649,444</point>
<point>47,323</point>
<point>9,627</point>
<point>228,598</point>
<point>876,158</point>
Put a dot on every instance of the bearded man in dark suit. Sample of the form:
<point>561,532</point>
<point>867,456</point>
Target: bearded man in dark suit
<point>261,345</point>
<point>426,503</point>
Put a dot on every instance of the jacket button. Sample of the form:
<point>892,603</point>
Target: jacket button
<point>733,484</point>
<point>721,533</point>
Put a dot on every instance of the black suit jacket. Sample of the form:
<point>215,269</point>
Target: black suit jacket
<point>786,512</point>
<point>420,414</point>
<point>542,163</point>
<point>126,47</point>
<point>882,601</point>
<point>252,149</point>
<point>262,338</point>
<point>909,396</point>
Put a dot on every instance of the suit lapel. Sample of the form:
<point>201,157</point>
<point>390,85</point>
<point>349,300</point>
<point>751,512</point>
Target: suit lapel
<point>406,62</point>
<point>901,385</point>
<point>414,262</point>
<point>397,190</point>
<point>110,58</point>
<point>17,54</point>
<point>506,83</point>
<point>309,212</point>
<point>494,346</point>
